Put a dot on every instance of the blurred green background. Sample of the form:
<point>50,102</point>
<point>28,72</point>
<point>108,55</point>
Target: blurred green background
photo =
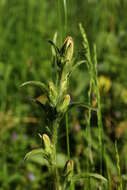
<point>25,54</point>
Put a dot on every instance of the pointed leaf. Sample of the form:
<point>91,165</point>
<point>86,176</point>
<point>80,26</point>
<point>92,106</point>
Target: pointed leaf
<point>38,159</point>
<point>78,64</point>
<point>75,66</point>
<point>79,104</point>
<point>38,156</point>
<point>36,152</point>
<point>54,41</point>
<point>89,175</point>
<point>42,99</point>
<point>55,47</point>
<point>38,84</point>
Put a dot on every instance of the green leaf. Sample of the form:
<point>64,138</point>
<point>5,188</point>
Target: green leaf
<point>15,177</point>
<point>55,47</point>
<point>60,160</point>
<point>79,104</point>
<point>77,65</point>
<point>89,175</point>
<point>54,42</point>
<point>38,156</point>
<point>38,159</point>
<point>38,84</point>
<point>35,152</point>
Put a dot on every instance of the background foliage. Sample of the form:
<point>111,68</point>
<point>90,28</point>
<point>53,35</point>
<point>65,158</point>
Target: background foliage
<point>25,28</point>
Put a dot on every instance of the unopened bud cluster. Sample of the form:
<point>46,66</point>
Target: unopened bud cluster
<point>67,49</point>
<point>58,99</point>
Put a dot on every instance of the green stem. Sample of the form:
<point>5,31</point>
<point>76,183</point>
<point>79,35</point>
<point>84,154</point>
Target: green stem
<point>90,158</point>
<point>89,124</point>
<point>99,115</point>
<point>65,15</point>
<point>100,127</point>
<point>54,167</point>
<point>60,21</point>
<point>67,137</point>
<point>118,166</point>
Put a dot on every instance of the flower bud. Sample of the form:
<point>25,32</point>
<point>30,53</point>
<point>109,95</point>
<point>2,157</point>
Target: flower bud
<point>52,94</point>
<point>63,106</point>
<point>67,49</point>
<point>63,86</point>
<point>47,143</point>
<point>68,168</point>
